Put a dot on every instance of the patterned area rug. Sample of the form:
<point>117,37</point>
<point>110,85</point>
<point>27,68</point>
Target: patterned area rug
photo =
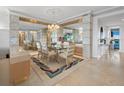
<point>52,73</point>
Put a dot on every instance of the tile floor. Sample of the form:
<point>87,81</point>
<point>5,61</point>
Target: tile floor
<point>108,70</point>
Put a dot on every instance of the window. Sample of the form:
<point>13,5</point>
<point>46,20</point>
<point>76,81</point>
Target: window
<point>54,37</point>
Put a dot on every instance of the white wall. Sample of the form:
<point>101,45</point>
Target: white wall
<point>122,38</point>
<point>4,39</point>
<point>96,25</point>
<point>97,49</point>
<point>4,18</point>
<point>4,46</point>
<point>4,28</point>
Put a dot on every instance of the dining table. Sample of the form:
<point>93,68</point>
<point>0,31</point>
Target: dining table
<point>58,50</point>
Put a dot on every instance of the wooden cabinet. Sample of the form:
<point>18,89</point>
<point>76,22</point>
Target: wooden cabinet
<point>19,71</point>
<point>4,72</point>
<point>78,52</point>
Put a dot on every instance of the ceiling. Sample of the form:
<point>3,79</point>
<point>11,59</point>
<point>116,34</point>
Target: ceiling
<point>113,20</point>
<point>58,14</point>
<point>55,13</point>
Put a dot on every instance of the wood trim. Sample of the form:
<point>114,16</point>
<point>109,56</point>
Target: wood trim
<point>29,20</point>
<point>33,21</point>
<point>69,28</point>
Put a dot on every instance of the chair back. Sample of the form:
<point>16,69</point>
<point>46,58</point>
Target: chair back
<point>69,54</point>
<point>70,50</point>
<point>45,48</point>
<point>39,46</point>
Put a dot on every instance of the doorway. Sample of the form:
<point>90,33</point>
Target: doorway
<point>115,38</point>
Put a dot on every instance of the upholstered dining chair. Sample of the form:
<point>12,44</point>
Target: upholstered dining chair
<point>68,54</point>
<point>39,47</point>
<point>25,45</point>
<point>47,53</point>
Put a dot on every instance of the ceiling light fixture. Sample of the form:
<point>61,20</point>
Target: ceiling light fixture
<point>54,13</point>
<point>53,27</point>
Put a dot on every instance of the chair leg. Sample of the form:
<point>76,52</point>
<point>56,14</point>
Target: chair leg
<point>48,59</point>
<point>38,55</point>
<point>41,57</point>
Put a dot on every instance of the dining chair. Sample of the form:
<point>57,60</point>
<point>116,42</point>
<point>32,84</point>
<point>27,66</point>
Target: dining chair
<point>47,53</point>
<point>25,45</point>
<point>39,48</point>
<point>68,54</point>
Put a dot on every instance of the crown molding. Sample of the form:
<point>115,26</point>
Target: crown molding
<point>114,8</point>
<point>28,16</point>
<point>73,17</point>
<point>109,10</point>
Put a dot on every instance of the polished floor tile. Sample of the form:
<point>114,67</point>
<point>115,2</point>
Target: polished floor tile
<point>108,70</point>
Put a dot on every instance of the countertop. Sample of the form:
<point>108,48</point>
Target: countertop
<point>19,57</point>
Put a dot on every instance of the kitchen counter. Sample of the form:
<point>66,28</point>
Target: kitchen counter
<point>19,67</point>
<point>4,72</point>
<point>18,57</point>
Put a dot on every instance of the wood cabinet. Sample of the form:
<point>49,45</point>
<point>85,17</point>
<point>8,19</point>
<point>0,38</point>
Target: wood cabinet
<point>78,52</point>
<point>20,70</point>
<point>4,72</point>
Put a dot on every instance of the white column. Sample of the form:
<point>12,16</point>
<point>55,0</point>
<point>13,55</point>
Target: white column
<point>14,38</point>
<point>87,37</point>
<point>95,37</point>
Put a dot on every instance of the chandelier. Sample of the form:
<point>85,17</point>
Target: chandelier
<point>53,27</point>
